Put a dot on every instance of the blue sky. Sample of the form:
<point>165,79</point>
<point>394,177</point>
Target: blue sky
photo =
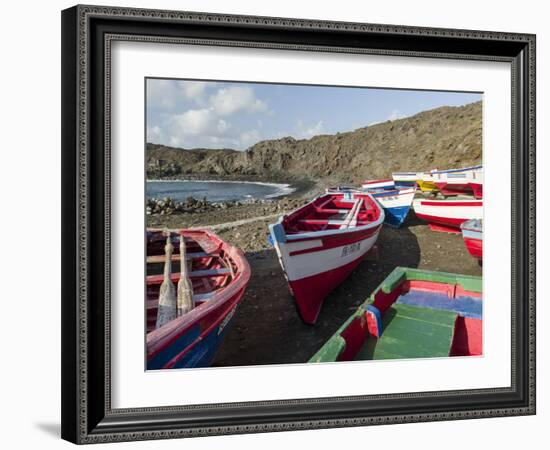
<point>207,114</point>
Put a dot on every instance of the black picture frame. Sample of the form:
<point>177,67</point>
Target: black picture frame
<point>87,32</point>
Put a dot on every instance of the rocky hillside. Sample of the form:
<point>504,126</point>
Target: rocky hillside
<point>440,138</point>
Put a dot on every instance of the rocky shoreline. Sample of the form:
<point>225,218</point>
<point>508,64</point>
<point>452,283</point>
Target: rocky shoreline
<point>244,224</point>
<point>194,212</point>
<point>167,206</point>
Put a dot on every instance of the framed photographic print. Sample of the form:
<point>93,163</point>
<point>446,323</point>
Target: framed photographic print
<point>282,224</point>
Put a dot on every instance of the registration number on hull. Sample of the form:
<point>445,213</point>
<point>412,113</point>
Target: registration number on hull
<point>351,248</point>
<point>226,320</point>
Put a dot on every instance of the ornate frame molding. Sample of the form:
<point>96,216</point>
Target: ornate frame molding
<point>83,420</point>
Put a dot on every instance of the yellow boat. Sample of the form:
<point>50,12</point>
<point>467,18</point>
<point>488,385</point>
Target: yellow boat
<point>425,182</point>
<point>426,186</point>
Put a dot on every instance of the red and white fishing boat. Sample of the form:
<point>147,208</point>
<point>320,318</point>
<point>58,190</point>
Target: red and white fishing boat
<point>460,181</point>
<point>472,232</point>
<point>447,215</point>
<point>218,274</point>
<point>406,179</point>
<point>320,244</point>
<point>378,184</point>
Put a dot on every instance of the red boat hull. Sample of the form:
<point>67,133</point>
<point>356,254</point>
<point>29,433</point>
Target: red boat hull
<point>468,337</point>
<point>475,247</point>
<point>448,215</point>
<point>455,189</point>
<point>448,222</point>
<point>310,292</point>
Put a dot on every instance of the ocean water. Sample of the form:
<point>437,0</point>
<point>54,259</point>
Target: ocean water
<point>215,191</point>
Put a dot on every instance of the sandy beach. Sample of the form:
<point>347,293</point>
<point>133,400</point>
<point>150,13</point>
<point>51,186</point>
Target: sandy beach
<point>266,328</point>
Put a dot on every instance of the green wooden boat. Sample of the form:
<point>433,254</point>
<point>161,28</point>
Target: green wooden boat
<point>412,314</point>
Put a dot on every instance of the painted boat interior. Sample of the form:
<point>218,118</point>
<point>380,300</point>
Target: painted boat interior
<point>211,269</point>
<point>417,318</point>
<point>411,332</point>
<point>423,322</point>
<point>333,212</point>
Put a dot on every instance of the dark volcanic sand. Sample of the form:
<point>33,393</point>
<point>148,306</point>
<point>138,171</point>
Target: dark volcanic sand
<point>267,328</point>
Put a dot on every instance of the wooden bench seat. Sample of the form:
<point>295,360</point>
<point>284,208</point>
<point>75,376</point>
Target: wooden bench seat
<point>411,332</point>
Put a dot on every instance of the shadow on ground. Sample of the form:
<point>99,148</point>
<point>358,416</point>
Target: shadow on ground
<point>53,429</point>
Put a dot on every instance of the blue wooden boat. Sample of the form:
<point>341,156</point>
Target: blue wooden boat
<point>396,202</point>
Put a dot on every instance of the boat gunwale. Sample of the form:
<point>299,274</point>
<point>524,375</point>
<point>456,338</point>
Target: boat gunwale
<point>394,192</point>
<point>381,193</point>
<point>405,173</point>
<point>448,202</point>
<point>465,169</point>
<point>335,232</point>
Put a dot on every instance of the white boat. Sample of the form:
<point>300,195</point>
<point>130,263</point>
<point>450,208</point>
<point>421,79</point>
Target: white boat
<point>406,178</point>
<point>320,244</point>
<point>447,215</point>
<point>378,184</point>
<point>459,182</point>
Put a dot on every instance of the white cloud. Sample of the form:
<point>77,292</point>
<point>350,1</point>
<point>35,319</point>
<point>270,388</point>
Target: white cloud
<point>248,138</point>
<point>222,126</point>
<point>154,134</point>
<point>197,125</point>
<point>193,115</point>
<point>167,94</point>
<point>219,141</point>
<point>396,114</point>
<point>161,94</point>
<point>193,90</point>
<point>193,122</point>
<point>233,99</point>
<point>306,132</point>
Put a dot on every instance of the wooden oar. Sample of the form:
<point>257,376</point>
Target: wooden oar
<point>185,289</point>
<point>351,215</point>
<point>353,222</point>
<point>167,303</point>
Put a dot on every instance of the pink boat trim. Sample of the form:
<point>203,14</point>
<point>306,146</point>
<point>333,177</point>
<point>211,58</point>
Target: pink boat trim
<point>451,203</point>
